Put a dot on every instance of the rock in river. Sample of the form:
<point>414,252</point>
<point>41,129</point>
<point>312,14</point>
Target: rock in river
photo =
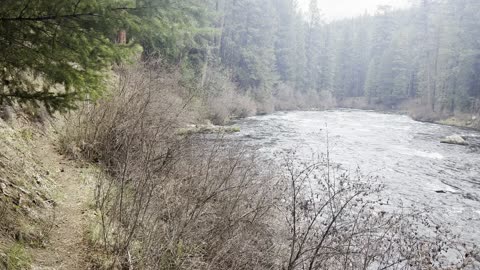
<point>455,139</point>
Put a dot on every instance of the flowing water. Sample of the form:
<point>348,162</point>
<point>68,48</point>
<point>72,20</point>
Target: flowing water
<point>407,156</point>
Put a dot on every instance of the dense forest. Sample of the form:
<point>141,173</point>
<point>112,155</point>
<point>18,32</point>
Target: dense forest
<point>429,53</point>
<point>269,54</point>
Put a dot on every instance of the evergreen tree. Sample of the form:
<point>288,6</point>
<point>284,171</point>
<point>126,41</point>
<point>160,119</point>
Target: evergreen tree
<point>285,40</point>
<point>57,52</point>
<point>313,46</point>
<point>248,47</point>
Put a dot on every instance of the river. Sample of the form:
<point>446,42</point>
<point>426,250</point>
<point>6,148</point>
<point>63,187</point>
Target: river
<point>407,156</point>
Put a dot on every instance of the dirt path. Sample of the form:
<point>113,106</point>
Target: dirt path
<point>66,247</point>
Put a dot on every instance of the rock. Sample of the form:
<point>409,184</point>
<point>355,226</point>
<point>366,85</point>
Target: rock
<point>455,139</point>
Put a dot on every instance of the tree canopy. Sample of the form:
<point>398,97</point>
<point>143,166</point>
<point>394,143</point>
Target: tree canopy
<point>57,52</point>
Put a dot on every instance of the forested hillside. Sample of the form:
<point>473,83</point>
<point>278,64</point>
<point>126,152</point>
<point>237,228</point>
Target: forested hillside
<point>424,59</point>
<point>259,56</point>
<point>428,53</point>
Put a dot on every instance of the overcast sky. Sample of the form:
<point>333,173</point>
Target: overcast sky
<point>339,9</point>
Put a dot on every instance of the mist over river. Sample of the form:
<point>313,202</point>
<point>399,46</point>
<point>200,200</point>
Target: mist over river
<point>407,156</point>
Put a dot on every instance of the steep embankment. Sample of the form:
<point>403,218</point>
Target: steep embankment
<point>44,202</point>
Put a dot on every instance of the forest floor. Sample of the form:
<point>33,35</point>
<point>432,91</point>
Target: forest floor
<point>67,246</point>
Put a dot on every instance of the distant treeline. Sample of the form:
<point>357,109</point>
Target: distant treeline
<point>264,53</point>
<point>430,53</point>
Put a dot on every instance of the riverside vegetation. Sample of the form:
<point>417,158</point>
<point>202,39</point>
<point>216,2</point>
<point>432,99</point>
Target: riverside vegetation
<point>97,171</point>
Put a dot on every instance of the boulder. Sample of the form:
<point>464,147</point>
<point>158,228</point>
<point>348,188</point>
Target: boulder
<point>455,139</point>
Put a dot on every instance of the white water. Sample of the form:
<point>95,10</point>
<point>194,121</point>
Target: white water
<point>408,156</point>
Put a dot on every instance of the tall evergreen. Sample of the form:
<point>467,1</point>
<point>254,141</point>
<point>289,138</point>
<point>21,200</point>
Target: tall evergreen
<point>57,52</point>
<point>429,53</point>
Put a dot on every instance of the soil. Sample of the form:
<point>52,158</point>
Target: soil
<point>66,247</point>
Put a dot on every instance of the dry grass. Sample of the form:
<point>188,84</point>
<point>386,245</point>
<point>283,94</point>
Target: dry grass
<point>26,205</point>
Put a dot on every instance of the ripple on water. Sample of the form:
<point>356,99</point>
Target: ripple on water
<point>406,154</point>
<point>428,154</point>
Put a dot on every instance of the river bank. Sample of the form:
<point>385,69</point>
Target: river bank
<point>413,109</point>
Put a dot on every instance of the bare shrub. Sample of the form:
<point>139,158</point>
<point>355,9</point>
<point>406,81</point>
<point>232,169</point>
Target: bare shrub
<point>169,202</point>
<point>355,103</point>
<point>265,103</point>
<point>129,133</point>
<point>338,220</point>
<point>146,98</point>
<point>203,205</point>
<point>223,99</point>
<point>212,213</point>
<point>229,105</point>
<point>309,100</point>
<point>423,112</point>
<point>327,100</point>
<point>284,98</point>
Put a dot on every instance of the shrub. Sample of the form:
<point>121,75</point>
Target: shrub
<point>147,96</point>
<point>424,114</point>
<point>223,99</point>
<point>170,202</point>
<point>265,105</point>
<point>284,98</point>
<point>336,219</point>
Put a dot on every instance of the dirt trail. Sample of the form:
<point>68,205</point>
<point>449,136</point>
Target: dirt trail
<point>66,247</point>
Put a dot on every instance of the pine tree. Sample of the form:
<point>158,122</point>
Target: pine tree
<point>57,52</point>
<point>285,40</point>
<point>313,46</point>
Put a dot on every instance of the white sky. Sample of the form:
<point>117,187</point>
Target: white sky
<point>339,9</point>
